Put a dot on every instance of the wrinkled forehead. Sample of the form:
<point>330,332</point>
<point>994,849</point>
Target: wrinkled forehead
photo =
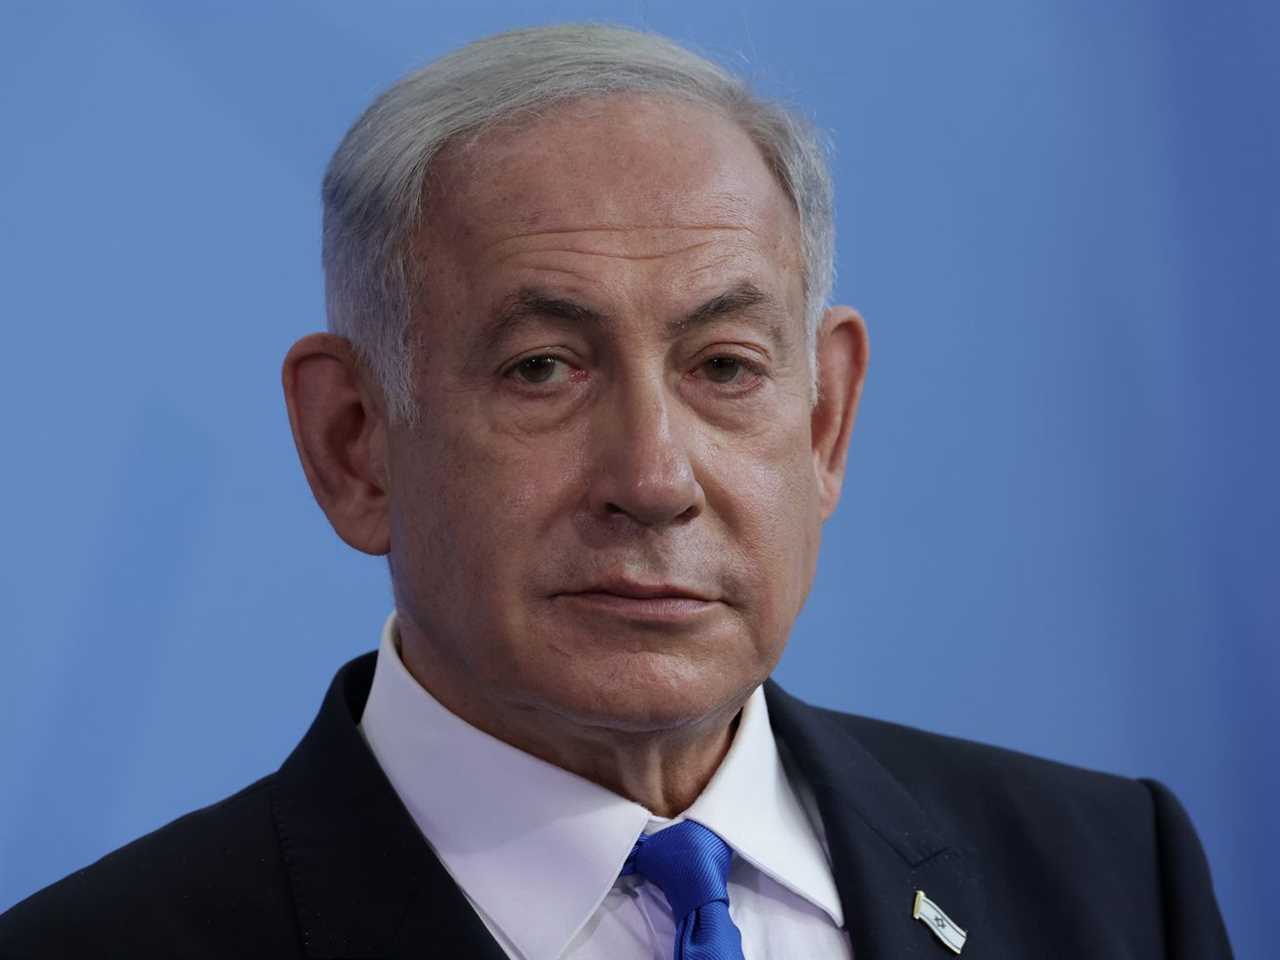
<point>628,163</point>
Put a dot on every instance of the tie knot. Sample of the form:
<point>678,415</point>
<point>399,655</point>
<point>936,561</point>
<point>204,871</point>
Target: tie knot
<point>688,862</point>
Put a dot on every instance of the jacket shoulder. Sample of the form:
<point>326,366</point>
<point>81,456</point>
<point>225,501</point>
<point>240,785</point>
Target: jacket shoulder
<point>1034,810</point>
<point>1043,832</point>
<point>211,883</point>
<point>984,774</point>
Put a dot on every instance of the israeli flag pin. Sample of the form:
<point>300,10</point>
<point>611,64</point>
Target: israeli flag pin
<point>943,927</point>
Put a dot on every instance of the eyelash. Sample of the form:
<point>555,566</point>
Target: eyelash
<point>755,370</point>
<point>512,372</point>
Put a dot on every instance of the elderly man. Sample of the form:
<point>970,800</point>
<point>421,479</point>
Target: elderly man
<point>582,390</point>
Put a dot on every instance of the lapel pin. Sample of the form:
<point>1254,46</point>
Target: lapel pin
<point>943,927</point>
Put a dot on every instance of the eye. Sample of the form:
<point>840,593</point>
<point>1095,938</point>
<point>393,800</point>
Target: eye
<point>541,369</point>
<point>730,371</point>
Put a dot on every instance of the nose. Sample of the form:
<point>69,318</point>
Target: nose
<point>643,468</point>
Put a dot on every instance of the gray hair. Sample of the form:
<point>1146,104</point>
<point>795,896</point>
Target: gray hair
<point>374,186</point>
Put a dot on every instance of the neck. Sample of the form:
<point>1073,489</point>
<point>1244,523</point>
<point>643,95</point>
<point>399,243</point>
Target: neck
<point>662,770</point>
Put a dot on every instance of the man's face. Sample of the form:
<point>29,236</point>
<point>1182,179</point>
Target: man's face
<point>607,513</point>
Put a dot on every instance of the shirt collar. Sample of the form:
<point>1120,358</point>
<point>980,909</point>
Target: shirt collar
<point>754,807</point>
<point>504,822</point>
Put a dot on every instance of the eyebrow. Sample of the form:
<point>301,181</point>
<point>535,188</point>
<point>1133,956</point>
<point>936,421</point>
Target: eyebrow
<point>530,305</point>
<point>739,298</point>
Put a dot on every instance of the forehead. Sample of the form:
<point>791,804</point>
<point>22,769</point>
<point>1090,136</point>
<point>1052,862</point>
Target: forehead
<point>634,176</point>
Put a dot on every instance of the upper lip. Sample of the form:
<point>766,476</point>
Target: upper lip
<point>643,591</point>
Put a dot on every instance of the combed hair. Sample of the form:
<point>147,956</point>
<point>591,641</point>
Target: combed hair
<point>374,186</point>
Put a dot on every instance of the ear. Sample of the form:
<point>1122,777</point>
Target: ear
<point>339,428</point>
<point>842,355</point>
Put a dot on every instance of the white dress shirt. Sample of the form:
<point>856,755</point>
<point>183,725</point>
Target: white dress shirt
<point>537,849</point>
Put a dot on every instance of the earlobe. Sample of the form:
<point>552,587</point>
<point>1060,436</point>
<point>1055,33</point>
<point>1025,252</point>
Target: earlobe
<point>842,356</point>
<point>340,433</point>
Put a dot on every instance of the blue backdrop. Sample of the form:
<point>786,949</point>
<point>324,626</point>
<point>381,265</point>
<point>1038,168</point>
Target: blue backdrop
<point>1059,526</point>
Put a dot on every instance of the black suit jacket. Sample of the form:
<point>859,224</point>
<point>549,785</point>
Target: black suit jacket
<point>321,860</point>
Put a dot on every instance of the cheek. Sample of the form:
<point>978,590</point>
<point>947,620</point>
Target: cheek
<point>476,503</point>
<point>768,500</point>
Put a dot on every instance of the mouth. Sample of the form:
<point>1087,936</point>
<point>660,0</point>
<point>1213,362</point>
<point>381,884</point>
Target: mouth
<point>659,602</point>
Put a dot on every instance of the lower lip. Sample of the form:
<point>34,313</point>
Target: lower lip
<point>662,609</point>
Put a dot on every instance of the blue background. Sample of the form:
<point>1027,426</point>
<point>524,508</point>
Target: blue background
<point>1059,527</point>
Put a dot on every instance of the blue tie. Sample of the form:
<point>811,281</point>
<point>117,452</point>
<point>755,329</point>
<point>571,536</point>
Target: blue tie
<point>689,864</point>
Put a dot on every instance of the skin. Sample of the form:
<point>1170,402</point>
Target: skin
<point>613,386</point>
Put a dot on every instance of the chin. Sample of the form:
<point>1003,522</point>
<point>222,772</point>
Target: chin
<point>651,694</point>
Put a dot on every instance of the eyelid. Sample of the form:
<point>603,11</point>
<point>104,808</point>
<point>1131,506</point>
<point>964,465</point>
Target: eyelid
<point>750,356</point>
<point>554,353</point>
<point>746,346</point>
<point>751,363</point>
<point>571,373</point>
<point>757,373</point>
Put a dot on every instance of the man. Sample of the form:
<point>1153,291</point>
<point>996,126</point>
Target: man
<point>583,391</point>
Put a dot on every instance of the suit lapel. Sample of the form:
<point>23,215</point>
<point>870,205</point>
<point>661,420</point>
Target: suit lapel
<point>883,845</point>
<point>365,882</point>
